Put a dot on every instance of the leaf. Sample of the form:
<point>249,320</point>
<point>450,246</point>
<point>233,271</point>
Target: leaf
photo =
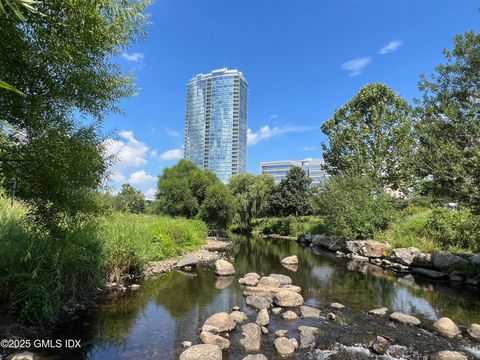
<point>6,86</point>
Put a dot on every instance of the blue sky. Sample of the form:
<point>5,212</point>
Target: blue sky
<point>302,59</point>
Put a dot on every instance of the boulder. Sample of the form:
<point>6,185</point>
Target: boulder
<point>268,281</point>
<point>307,336</point>
<point>428,273</point>
<point>290,260</point>
<point>474,332</point>
<point>285,347</point>
<point>305,239</point>
<point>219,322</point>
<point>475,259</point>
<point>283,279</point>
<point>404,319</point>
<point>25,355</point>
<point>209,338</point>
<point>187,260</point>
<point>255,357</point>
<point>446,261</point>
<point>263,318</point>
<point>248,281</point>
<point>289,315</point>
<point>238,316</point>
<point>258,302</point>
<point>252,274</point>
<point>251,337</point>
<point>379,345</point>
<point>276,310</point>
<point>293,288</point>
<point>379,312</point>
<point>286,298</point>
<point>281,333</point>
<point>422,260</point>
<point>447,355</point>
<point>202,352</point>
<point>337,306</point>
<point>310,312</point>
<point>224,268</point>
<point>404,256</point>
<point>446,327</point>
<point>368,248</point>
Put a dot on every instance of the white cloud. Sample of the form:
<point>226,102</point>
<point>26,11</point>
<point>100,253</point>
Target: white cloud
<point>150,194</point>
<point>134,57</point>
<point>274,116</point>
<point>172,133</point>
<point>309,148</point>
<point>390,47</point>
<point>154,153</point>
<point>174,154</point>
<point>140,177</point>
<point>129,152</point>
<point>117,177</point>
<point>266,132</point>
<point>356,66</point>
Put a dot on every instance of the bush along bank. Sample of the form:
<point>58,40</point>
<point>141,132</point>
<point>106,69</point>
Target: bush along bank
<point>444,265</point>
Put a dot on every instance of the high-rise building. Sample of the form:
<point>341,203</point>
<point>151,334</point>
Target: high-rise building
<point>216,122</point>
<point>279,169</point>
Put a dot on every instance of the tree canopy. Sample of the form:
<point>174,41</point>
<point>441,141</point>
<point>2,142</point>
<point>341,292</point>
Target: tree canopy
<point>372,134</point>
<point>217,210</point>
<point>130,199</point>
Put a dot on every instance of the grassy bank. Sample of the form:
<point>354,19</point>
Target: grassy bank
<point>40,273</point>
<point>290,226</point>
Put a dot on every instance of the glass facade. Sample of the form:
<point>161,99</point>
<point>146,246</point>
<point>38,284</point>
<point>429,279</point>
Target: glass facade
<point>217,121</point>
<point>279,169</point>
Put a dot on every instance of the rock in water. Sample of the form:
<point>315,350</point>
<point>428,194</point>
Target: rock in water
<point>238,316</point>
<point>268,281</point>
<point>187,260</point>
<point>286,298</point>
<point>404,256</point>
<point>285,347</point>
<point>289,315</point>
<point>219,322</point>
<point>474,332</point>
<point>251,337</point>
<point>446,261</point>
<point>283,279</point>
<point>224,268</point>
<point>446,327</point>
<point>281,333</point>
<point>290,260</point>
<point>307,336</point>
<point>380,311</point>
<point>367,248</point>
<point>337,306</point>
<point>255,357</point>
<point>25,355</point>
<point>257,302</point>
<point>447,355</point>
<point>276,310</point>
<point>263,318</point>
<point>209,338</point>
<point>310,312</point>
<point>404,319</point>
<point>202,352</point>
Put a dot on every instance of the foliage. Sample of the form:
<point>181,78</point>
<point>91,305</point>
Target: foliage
<point>16,6</point>
<point>60,58</point>
<point>290,226</point>
<point>130,199</point>
<point>354,207</point>
<point>291,196</point>
<point>458,229</point>
<point>217,210</point>
<point>372,135</point>
<point>182,189</point>
<point>252,195</point>
<point>449,124</point>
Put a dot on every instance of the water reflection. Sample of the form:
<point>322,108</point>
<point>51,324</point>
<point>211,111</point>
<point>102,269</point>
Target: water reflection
<point>153,321</point>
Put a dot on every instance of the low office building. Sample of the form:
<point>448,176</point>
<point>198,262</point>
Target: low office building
<point>279,169</point>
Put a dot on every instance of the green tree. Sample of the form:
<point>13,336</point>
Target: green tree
<point>252,195</point>
<point>449,124</point>
<point>217,210</point>
<point>130,199</point>
<point>354,206</point>
<point>292,195</point>
<point>182,189</point>
<point>372,135</point>
<point>61,57</point>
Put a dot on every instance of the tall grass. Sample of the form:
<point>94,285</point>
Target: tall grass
<point>39,274</point>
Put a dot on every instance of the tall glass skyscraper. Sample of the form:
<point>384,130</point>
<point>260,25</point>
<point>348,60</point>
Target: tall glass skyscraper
<point>217,121</point>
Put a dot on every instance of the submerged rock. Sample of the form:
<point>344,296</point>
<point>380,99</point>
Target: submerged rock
<point>283,279</point>
<point>447,355</point>
<point>310,312</point>
<point>474,332</point>
<point>380,311</point>
<point>446,327</point>
<point>307,336</point>
<point>224,268</point>
<point>285,347</point>
<point>202,352</point>
<point>258,302</point>
<point>263,318</point>
<point>404,319</point>
<point>429,273</point>
<point>286,298</point>
<point>251,337</point>
<point>209,338</point>
<point>219,322</point>
<point>290,260</point>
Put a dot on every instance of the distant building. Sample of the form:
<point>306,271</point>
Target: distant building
<point>216,122</point>
<point>279,169</point>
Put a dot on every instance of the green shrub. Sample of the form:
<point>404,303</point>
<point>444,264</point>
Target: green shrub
<point>458,229</point>
<point>290,226</point>
<point>354,207</point>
